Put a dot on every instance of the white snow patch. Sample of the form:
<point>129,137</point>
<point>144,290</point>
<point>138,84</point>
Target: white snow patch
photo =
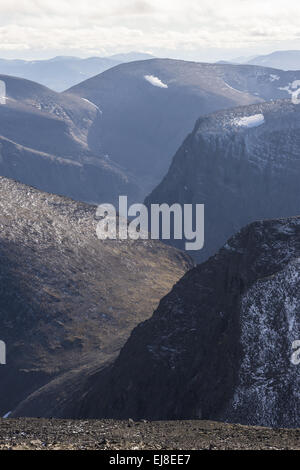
<point>93,104</point>
<point>231,248</point>
<point>286,88</point>
<point>294,90</point>
<point>155,81</point>
<point>234,89</point>
<point>250,121</point>
<point>295,84</point>
<point>269,319</point>
<point>228,247</point>
<point>274,77</point>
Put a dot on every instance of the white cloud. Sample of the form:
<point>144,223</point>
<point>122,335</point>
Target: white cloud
<point>98,26</point>
<point>155,81</point>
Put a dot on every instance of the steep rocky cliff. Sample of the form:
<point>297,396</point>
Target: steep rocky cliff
<point>219,346</point>
<point>243,164</point>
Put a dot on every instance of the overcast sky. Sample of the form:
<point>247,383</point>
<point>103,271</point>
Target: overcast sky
<point>191,29</point>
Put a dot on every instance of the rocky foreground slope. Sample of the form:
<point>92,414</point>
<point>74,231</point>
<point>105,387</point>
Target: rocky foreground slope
<point>68,300</point>
<point>242,164</point>
<point>220,344</point>
<point>43,434</point>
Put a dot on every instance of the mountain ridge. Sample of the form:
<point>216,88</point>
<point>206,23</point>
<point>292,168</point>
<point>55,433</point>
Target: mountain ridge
<point>235,168</point>
<point>219,345</point>
<point>44,138</point>
<point>152,105</point>
<point>68,300</point>
<point>62,72</point>
<point>284,60</point>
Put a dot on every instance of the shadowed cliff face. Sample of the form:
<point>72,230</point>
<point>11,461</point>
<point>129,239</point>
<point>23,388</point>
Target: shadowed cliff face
<point>67,299</point>
<point>240,171</point>
<point>219,345</point>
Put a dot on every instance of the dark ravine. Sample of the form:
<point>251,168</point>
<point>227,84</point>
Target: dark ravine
<point>241,174</point>
<point>219,345</point>
<point>69,301</point>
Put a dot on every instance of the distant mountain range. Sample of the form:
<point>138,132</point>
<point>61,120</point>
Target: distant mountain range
<point>284,60</point>
<point>62,72</point>
<point>117,132</point>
